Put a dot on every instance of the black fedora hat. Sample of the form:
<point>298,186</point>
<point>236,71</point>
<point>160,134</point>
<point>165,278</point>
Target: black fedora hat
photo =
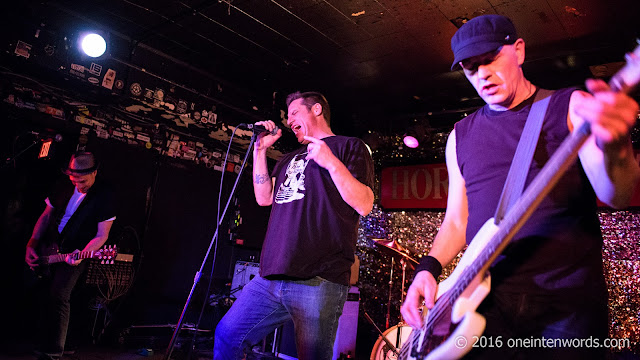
<point>81,163</point>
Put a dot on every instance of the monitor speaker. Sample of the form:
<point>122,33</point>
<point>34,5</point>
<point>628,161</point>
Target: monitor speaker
<point>242,274</point>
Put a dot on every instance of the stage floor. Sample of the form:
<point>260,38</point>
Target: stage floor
<point>94,352</point>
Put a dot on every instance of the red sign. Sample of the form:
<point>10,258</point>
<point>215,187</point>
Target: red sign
<point>44,150</point>
<point>414,187</point>
<point>426,186</point>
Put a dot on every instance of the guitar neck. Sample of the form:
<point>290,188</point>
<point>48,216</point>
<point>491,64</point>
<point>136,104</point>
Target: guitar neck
<point>52,259</point>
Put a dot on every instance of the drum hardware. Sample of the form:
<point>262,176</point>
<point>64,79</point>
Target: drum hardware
<point>393,248</point>
<point>383,350</point>
<point>382,334</point>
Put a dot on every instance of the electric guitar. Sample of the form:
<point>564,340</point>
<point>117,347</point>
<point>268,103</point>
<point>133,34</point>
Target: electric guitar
<point>107,255</point>
<point>452,325</point>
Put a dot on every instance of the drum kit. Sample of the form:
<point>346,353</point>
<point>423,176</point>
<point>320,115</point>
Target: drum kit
<point>390,341</point>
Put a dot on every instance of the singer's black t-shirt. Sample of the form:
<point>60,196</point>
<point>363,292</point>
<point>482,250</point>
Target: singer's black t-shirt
<point>312,230</point>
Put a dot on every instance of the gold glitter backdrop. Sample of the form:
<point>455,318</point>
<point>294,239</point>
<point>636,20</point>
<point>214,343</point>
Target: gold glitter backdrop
<point>415,231</point>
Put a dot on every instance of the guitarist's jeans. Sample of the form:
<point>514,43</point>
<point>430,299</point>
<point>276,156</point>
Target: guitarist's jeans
<point>314,305</point>
<point>514,317</point>
<point>57,308</point>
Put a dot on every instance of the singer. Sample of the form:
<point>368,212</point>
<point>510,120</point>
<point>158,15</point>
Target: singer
<point>317,193</point>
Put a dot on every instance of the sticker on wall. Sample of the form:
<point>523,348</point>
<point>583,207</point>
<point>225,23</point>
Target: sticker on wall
<point>182,107</point>
<point>93,80</point>
<point>159,94</point>
<point>136,89</point>
<point>77,67</point>
<point>119,84</point>
<point>158,97</point>
<point>56,113</point>
<point>23,49</point>
<point>103,134</point>
<point>49,50</point>
<point>143,138</point>
<point>109,78</point>
<point>77,70</point>
<point>95,69</point>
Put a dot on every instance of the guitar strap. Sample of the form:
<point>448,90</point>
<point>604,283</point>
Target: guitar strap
<point>514,185</point>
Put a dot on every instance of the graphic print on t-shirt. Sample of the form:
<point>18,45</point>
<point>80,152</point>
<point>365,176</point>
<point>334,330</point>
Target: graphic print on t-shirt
<point>288,190</point>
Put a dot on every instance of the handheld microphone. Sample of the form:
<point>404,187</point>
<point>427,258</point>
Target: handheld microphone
<point>42,136</point>
<point>259,129</point>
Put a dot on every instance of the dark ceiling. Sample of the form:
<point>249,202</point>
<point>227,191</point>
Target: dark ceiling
<point>381,63</point>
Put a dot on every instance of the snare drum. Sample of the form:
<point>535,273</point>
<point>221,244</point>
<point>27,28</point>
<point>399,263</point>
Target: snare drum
<point>396,335</point>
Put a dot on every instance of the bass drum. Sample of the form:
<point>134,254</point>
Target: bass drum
<point>396,335</point>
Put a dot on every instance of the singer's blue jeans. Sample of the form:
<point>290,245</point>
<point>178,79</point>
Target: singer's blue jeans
<point>315,305</point>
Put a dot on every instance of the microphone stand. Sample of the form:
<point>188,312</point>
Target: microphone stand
<point>9,160</point>
<point>212,244</point>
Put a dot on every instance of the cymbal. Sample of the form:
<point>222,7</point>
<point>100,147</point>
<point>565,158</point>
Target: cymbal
<point>394,248</point>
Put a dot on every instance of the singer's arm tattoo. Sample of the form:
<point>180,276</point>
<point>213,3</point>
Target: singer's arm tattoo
<point>261,178</point>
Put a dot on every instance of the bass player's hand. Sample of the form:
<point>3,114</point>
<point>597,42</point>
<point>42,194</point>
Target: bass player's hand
<point>424,287</point>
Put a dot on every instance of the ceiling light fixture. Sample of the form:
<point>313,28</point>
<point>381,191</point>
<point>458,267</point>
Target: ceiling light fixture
<point>93,45</point>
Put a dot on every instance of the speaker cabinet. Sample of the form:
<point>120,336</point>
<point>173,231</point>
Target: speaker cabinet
<point>242,274</point>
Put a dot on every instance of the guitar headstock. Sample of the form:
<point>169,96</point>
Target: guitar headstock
<point>107,254</point>
<point>628,77</point>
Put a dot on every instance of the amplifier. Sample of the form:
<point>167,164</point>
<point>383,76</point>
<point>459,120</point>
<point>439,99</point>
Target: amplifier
<point>243,273</point>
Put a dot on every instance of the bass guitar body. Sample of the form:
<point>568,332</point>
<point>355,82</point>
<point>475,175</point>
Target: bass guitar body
<point>454,326</point>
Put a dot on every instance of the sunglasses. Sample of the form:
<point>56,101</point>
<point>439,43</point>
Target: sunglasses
<point>473,63</point>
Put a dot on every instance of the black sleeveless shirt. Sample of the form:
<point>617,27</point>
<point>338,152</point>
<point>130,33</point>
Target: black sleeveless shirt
<point>558,250</point>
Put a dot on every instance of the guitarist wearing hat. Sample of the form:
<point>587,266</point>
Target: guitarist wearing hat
<point>548,282</point>
<point>78,216</point>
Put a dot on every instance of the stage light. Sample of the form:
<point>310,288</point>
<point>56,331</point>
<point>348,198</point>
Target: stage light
<point>416,134</point>
<point>411,141</point>
<point>93,45</point>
